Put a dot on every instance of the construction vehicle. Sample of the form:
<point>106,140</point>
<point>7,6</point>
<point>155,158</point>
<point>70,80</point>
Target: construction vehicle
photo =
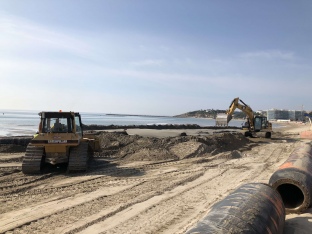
<point>59,140</point>
<point>221,120</point>
<point>254,123</point>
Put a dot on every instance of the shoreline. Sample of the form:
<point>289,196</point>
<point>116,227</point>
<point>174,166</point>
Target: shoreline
<point>292,127</point>
<point>163,131</point>
<point>171,130</point>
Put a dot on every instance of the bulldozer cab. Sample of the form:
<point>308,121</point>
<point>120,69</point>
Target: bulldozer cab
<point>60,141</point>
<point>57,125</point>
<point>60,122</point>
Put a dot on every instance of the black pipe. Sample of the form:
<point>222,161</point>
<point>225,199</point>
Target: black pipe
<point>293,180</point>
<point>251,208</point>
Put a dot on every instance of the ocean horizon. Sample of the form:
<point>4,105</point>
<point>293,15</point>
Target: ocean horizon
<point>25,122</point>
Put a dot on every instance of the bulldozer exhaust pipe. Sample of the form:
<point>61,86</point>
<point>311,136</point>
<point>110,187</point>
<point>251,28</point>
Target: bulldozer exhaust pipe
<point>293,180</point>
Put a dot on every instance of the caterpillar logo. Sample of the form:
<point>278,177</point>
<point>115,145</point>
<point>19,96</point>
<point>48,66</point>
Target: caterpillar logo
<point>57,141</point>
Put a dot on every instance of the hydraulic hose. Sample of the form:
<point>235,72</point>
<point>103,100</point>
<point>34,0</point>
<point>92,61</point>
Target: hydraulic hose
<point>251,208</point>
<point>293,180</point>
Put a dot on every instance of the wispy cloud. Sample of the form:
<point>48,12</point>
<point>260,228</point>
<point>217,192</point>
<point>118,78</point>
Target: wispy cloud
<point>269,54</point>
<point>148,62</point>
<point>21,34</point>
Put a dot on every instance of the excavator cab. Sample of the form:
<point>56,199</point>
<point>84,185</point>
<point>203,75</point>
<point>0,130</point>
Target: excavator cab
<point>260,123</point>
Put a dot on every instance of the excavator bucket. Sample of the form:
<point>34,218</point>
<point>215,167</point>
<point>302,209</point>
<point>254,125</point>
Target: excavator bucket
<point>221,120</point>
<point>228,118</point>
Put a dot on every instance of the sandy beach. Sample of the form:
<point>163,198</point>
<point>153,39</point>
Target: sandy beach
<point>149,181</point>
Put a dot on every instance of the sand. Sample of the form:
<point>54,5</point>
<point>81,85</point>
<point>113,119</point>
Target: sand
<point>152,181</point>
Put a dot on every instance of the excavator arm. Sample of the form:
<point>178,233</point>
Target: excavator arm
<point>238,103</point>
<point>255,124</point>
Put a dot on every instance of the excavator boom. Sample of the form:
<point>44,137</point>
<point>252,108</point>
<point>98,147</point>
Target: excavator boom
<point>238,103</point>
<point>254,123</point>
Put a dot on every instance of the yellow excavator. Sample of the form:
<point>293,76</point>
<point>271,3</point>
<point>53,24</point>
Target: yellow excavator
<point>254,123</point>
<point>59,140</point>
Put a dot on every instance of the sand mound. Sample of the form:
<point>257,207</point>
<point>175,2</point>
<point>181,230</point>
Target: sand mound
<point>137,148</point>
<point>189,149</point>
<point>150,155</point>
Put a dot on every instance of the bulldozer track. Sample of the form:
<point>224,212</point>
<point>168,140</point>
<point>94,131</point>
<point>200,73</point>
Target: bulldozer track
<point>151,185</point>
<point>78,158</point>
<point>11,160</point>
<point>108,177</point>
<point>17,186</point>
<point>134,193</point>
<point>33,160</point>
<point>114,177</point>
<point>7,184</point>
<point>10,170</point>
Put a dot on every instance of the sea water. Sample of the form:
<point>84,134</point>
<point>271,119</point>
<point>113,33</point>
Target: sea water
<point>20,123</point>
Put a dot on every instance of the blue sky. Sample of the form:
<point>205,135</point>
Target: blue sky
<point>155,57</point>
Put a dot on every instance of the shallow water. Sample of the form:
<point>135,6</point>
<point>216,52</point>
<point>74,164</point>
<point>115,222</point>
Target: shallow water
<point>16,123</point>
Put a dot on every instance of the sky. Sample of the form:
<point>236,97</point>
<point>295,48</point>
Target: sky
<point>163,57</point>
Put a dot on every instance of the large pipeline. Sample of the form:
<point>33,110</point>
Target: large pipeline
<point>293,180</point>
<point>251,208</point>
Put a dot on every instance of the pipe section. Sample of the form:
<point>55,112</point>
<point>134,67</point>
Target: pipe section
<point>251,208</point>
<point>306,134</point>
<point>293,180</point>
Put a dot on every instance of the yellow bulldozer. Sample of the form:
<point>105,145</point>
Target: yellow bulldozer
<point>59,140</point>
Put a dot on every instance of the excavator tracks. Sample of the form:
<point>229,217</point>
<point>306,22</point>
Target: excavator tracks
<point>33,160</point>
<point>78,158</point>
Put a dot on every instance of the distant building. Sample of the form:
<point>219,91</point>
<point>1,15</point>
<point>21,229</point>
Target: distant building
<point>293,115</point>
<point>262,112</point>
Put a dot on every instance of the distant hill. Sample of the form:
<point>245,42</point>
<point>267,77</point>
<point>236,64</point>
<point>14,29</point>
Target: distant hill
<point>210,113</point>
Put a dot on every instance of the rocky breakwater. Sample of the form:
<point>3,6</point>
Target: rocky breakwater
<point>154,126</point>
